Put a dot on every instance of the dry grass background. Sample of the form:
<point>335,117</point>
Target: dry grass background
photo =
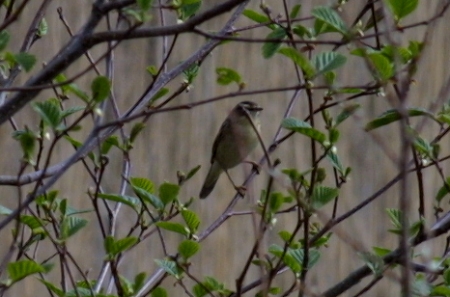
<point>181,140</point>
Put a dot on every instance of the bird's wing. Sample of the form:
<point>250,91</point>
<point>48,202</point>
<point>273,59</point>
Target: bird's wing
<point>220,136</point>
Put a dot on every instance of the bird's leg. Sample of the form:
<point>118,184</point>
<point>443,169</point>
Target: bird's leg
<point>240,189</point>
<point>255,166</point>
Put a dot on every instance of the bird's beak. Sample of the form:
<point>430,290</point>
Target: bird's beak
<point>256,108</point>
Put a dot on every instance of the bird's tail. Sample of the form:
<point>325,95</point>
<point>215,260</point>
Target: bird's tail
<point>211,179</point>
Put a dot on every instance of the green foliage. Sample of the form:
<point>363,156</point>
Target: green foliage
<point>21,269</point>
<point>327,61</point>
<point>100,88</point>
<point>49,113</point>
<point>159,292</point>
<point>300,60</point>
<point>331,19</point>
<point>270,48</point>
<point>144,4</point>
<point>114,247</point>
<point>168,192</point>
<point>293,258</point>
<point>71,88</point>
<point>71,225</point>
<point>170,267</point>
<point>187,8</point>
<point>402,8</point>
<point>188,248</point>
<point>4,39</point>
<point>191,73</point>
<point>161,93</point>
<point>226,76</point>
<point>393,115</point>
<point>304,128</point>
<point>374,262</point>
<point>174,227</point>
<point>443,191</point>
<point>109,142</point>
<point>191,219</point>
<point>210,285</point>
<point>27,140</point>
<point>322,195</point>
<point>258,18</point>
<point>133,202</point>
<point>25,60</point>
<point>42,28</point>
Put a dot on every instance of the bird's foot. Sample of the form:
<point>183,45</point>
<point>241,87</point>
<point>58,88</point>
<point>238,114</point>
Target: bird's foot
<point>241,190</point>
<point>255,166</point>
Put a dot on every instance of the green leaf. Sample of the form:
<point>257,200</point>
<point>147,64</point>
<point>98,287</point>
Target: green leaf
<point>336,162</point>
<point>396,218</point>
<point>380,251</point>
<point>71,225</point>
<point>169,266</point>
<point>71,110</point>
<point>402,8</point>
<point>133,202</point>
<point>189,8</point>
<point>383,67</point>
<point>322,195</point>
<point>27,140</point>
<point>346,113</point>
<point>137,128</point>
<point>255,16</point>
<point>440,291</point>
<point>188,248</point>
<point>294,11</point>
<point>71,88</point>
<point>298,255</point>
<point>303,128</point>
<point>192,172</point>
<point>168,192</point>
<point>49,112</point>
<point>226,76</point>
<point>112,140</point>
<point>148,198</point>
<point>285,235</point>
<point>270,48</point>
<point>328,61</point>
<point>192,220</point>
<point>443,191</point>
<point>143,183</point>
<point>303,31</point>
<point>144,4</point>
<point>276,200</point>
<point>288,258</point>
<point>113,247</point>
<point>331,18</point>
<point>51,287</point>
<point>423,147</point>
<point>159,292</point>
<point>174,227</point>
<point>393,115</point>
<point>20,269</point>
<point>299,59</point>
<point>100,88</point>
<point>31,221</point>
<point>25,60</point>
<point>161,93</point>
<point>42,28</point>
<point>374,262</point>
<point>4,39</point>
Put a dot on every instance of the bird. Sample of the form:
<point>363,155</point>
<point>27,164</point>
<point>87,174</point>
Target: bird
<point>234,142</point>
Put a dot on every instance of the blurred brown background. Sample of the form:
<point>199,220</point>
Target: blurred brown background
<point>182,140</point>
